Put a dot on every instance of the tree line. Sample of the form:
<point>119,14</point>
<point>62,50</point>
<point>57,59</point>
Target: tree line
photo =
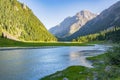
<point>109,35</point>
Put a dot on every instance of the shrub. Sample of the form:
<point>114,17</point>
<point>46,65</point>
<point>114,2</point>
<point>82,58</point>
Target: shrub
<point>113,56</point>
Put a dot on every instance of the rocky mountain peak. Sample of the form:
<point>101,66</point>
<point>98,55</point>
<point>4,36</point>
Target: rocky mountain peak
<point>72,24</point>
<point>85,14</point>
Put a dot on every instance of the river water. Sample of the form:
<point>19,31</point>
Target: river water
<point>33,64</point>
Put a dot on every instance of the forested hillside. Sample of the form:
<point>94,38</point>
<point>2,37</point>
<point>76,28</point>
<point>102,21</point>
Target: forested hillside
<point>112,35</point>
<point>18,22</point>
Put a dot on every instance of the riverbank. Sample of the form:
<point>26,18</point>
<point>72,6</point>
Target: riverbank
<point>19,48</point>
<point>71,73</point>
<point>76,72</point>
<point>11,43</point>
<point>106,67</point>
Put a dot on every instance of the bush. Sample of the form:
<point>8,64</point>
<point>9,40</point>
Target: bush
<point>113,56</point>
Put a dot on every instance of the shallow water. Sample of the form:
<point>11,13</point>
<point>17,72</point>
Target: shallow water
<point>33,64</point>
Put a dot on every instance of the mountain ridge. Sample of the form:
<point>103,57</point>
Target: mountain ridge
<point>71,24</point>
<point>108,18</point>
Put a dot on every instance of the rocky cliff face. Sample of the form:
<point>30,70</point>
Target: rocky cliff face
<point>72,24</point>
<point>108,18</point>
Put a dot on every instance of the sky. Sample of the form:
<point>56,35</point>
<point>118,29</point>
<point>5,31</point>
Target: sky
<point>52,12</point>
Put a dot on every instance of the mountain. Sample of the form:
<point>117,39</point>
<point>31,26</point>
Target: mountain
<point>107,19</point>
<point>18,22</point>
<point>72,24</point>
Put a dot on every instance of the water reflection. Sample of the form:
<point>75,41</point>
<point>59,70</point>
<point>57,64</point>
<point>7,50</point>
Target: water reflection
<point>77,56</point>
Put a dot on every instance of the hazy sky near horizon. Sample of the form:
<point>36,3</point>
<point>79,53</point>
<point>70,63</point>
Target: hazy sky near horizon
<point>52,12</point>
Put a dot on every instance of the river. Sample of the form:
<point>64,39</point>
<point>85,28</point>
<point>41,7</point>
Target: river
<point>33,64</point>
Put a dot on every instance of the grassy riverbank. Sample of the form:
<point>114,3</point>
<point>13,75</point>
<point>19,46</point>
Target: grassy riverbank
<point>106,67</point>
<point>71,73</point>
<point>11,43</point>
<point>75,72</point>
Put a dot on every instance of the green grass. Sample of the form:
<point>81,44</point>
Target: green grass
<point>72,73</point>
<point>11,43</point>
<point>96,58</point>
<point>97,42</point>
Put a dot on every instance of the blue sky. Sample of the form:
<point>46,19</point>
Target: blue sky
<point>52,12</point>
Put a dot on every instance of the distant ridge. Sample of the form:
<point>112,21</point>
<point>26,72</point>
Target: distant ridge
<point>107,19</point>
<point>72,24</point>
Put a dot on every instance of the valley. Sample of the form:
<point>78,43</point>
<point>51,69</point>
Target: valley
<point>85,46</point>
